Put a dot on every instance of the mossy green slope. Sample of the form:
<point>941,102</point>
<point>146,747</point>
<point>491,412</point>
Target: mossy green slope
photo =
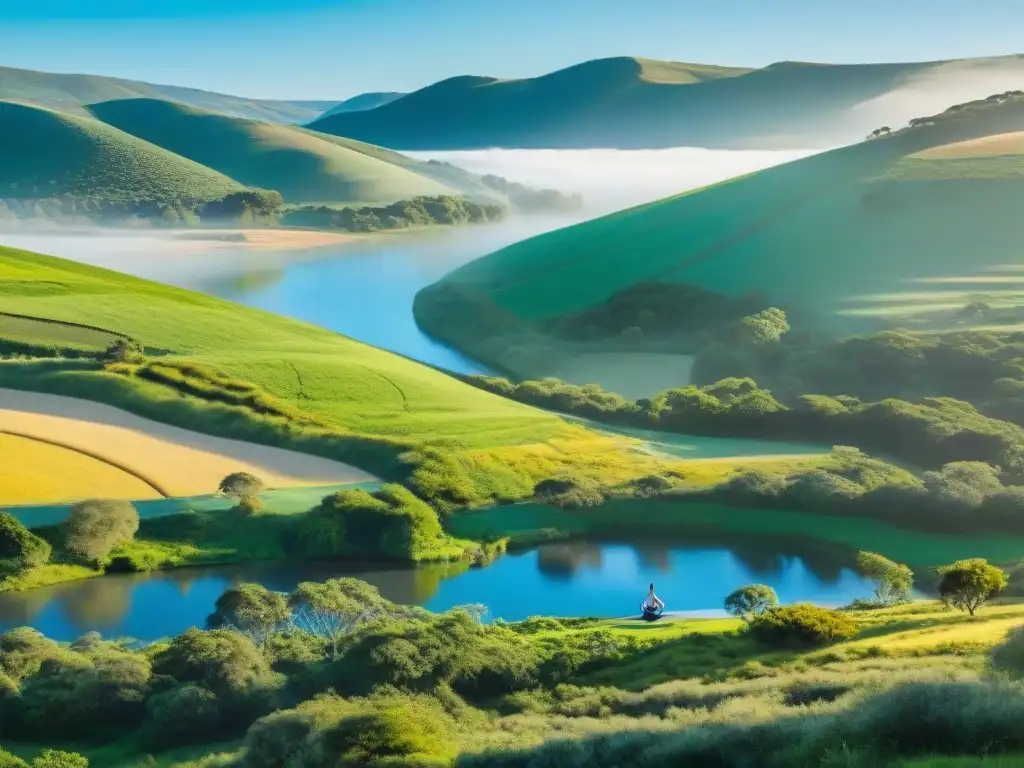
<point>303,166</point>
<point>346,385</point>
<point>46,154</point>
<point>639,103</point>
<point>848,233</point>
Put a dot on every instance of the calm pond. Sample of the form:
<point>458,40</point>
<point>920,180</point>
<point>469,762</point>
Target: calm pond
<point>568,579</point>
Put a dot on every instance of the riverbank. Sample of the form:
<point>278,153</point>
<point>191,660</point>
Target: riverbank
<point>276,239</point>
<point>526,525</point>
<point>551,687</point>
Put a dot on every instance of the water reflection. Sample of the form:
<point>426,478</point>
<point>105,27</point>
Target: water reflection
<point>569,578</point>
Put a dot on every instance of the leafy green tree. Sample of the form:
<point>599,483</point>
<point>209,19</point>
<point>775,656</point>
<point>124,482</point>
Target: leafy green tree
<point>20,545</point>
<point>968,584</point>
<point>332,609</point>
<point>893,581</point>
<point>93,528</point>
<point>239,485</point>
<point>245,488</point>
<point>749,602</point>
<point>251,609</point>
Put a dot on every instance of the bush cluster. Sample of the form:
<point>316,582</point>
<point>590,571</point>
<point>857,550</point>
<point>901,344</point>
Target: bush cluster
<point>416,212</point>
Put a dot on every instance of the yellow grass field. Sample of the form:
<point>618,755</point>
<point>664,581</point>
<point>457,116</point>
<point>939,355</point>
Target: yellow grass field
<point>36,472</point>
<point>987,146</point>
<point>177,462</point>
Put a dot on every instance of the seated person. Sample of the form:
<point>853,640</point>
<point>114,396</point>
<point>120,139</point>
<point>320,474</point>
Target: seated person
<point>652,603</point>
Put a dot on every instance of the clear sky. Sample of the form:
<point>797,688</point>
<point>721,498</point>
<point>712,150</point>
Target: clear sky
<point>332,49</point>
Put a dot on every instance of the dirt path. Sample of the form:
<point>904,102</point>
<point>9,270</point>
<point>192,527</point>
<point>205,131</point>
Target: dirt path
<point>177,461</point>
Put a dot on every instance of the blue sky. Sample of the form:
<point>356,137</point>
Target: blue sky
<point>334,49</point>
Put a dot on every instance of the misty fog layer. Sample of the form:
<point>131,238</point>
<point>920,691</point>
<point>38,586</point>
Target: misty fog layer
<point>934,90</point>
<point>611,179</point>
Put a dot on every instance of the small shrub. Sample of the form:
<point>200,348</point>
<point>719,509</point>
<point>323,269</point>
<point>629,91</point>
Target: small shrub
<point>123,351</point>
<point>802,625</point>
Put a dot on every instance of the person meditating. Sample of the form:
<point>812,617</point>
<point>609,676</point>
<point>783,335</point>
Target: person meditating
<point>652,605</point>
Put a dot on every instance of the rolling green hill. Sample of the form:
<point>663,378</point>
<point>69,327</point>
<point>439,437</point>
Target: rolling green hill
<point>363,102</point>
<point>228,370</point>
<point>302,166</point>
<point>925,219</point>
<point>47,154</point>
<point>70,93</point>
<point>639,103</point>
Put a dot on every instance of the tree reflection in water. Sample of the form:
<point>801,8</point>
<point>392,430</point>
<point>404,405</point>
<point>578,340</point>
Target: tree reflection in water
<point>562,561</point>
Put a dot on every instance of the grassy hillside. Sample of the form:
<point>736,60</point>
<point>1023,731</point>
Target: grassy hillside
<point>227,370</point>
<point>638,103</point>
<point>47,154</point>
<point>362,102</point>
<point>341,382</point>
<point>921,219</point>
<point>300,165</point>
<point>70,93</point>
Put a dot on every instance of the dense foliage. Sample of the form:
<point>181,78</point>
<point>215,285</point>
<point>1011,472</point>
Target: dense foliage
<point>388,523</point>
<point>19,546</point>
<point>658,311</point>
<point>415,212</point>
<point>372,683</point>
<point>929,433</point>
<point>982,367</point>
<point>529,200</point>
<point>253,206</point>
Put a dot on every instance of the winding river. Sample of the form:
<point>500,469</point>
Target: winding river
<point>364,289</point>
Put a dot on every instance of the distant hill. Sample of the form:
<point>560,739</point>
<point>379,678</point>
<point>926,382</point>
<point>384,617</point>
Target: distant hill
<point>71,93</point>
<point>362,102</point>
<point>639,103</point>
<point>904,227</point>
<point>300,164</point>
<point>47,155</point>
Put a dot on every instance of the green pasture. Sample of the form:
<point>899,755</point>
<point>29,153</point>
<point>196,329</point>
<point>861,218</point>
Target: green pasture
<point>346,385</point>
<point>303,166</point>
<point>48,154</point>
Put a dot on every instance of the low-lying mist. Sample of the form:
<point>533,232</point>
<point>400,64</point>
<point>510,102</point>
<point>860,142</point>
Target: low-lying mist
<point>611,179</point>
<point>936,89</point>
